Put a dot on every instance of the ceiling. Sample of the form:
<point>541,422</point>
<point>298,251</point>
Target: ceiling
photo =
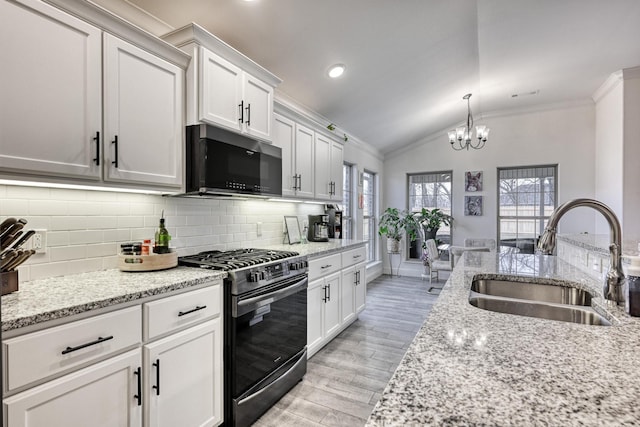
<point>409,62</point>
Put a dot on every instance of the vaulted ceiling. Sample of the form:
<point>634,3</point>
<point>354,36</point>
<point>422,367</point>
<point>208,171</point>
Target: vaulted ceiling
<point>409,62</point>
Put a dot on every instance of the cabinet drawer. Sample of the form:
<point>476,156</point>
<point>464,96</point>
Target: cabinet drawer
<point>354,256</point>
<point>40,354</point>
<point>168,314</point>
<point>319,267</point>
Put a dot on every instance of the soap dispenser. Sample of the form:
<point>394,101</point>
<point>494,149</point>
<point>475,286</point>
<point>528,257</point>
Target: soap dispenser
<point>632,304</point>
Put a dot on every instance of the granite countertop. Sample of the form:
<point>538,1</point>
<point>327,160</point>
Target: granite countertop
<point>598,243</point>
<point>317,249</point>
<point>469,366</point>
<point>57,297</point>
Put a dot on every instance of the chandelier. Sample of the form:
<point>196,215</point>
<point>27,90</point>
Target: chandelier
<point>462,137</point>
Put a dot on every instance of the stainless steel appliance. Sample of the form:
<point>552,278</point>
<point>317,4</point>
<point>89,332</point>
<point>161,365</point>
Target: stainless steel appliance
<point>318,228</point>
<point>265,318</point>
<point>219,162</point>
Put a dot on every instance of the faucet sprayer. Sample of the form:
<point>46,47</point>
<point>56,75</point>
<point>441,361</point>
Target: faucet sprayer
<point>614,279</point>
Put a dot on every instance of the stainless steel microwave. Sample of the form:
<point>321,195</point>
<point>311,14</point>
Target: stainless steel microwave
<point>220,162</point>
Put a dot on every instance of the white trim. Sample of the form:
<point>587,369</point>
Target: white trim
<point>194,33</point>
<point>119,27</point>
<point>631,73</point>
<point>136,15</point>
<point>609,84</point>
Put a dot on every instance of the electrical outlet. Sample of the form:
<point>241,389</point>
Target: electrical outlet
<point>39,241</point>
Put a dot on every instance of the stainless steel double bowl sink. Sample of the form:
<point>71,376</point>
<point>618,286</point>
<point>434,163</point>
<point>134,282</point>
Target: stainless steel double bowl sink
<point>545,301</point>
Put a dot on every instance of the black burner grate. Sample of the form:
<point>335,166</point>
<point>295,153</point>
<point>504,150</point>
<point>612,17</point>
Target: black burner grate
<point>234,259</point>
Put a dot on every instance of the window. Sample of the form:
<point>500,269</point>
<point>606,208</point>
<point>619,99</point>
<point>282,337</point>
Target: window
<point>527,199</point>
<point>430,190</point>
<point>368,213</point>
<point>347,201</point>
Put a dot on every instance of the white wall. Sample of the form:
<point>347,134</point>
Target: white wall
<point>85,228</point>
<point>609,148</point>
<point>563,136</point>
<point>631,165</point>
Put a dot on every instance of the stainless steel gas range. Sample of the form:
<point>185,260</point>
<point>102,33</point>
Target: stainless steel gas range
<point>265,324</point>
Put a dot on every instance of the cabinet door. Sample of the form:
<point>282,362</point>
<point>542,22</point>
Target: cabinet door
<point>347,295</point>
<point>183,378</point>
<point>304,161</point>
<point>332,318</point>
<point>315,315</point>
<point>50,86</point>
<point>284,135</point>
<point>258,100</point>
<point>322,157</point>
<point>361,286</point>
<point>102,395</point>
<point>335,170</point>
<point>220,95</point>
<point>143,116</point>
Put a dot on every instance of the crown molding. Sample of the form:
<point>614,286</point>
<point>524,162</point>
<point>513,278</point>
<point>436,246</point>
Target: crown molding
<point>121,28</point>
<point>136,15</point>
<point>609,84</point>
<point>289,107</point>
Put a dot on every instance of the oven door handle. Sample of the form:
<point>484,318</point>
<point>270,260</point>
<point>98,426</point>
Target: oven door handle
<point>250,304</point>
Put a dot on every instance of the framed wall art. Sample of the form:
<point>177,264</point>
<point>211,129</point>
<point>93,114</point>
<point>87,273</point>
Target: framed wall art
<point>473,205</point>
<point>293,229</point>
<point>473,181</point>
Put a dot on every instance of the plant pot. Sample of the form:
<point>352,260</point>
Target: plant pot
<point>430,234</point>
<point>393,246</point>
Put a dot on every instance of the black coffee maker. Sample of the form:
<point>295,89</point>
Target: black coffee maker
<point>318,228</point>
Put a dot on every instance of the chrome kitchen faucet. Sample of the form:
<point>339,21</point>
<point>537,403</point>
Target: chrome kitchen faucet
<point>614,279</point>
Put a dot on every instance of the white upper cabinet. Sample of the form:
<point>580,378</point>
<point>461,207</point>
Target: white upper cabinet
<point>143,127</point>
<point>52,110</point>
<point>224,87</point>
<point>51,92</point>
<point>304,161</point>
<point>296,142</point>
<point>328,179</point>
<point>220,100</point>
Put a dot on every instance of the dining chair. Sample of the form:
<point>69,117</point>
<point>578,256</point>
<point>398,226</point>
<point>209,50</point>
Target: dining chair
<point>435,264</point>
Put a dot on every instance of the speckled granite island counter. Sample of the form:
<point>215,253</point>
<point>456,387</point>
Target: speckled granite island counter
<point>469,366</point>
<point>54,298</point>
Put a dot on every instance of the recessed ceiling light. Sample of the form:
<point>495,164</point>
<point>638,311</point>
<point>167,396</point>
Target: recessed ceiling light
<point>336,71</point>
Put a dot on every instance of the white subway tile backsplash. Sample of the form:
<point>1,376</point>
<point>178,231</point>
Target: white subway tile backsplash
<point>103,249</point>
<point>13,207</point>
<point>86,228</point>
<point>84,208</point>
<point>85,237</point>
<point>64,222</point>
<point>67,253</point>
<point>130,222</point>
<point>48,207</point>
<point>57,238</point>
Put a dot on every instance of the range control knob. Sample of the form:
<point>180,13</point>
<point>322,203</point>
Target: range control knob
<point>256,276</point>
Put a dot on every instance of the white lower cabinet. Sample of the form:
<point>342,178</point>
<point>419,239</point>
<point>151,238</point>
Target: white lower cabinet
<point>336,294</point>
<point>101,395</point>
<point>100,371</point>
<point>323,311</point>
<point>183,378</point>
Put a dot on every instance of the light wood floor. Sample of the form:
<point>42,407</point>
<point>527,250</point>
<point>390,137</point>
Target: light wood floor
<point>345,379</point>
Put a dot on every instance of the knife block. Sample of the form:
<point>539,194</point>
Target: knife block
<point>9,281</point>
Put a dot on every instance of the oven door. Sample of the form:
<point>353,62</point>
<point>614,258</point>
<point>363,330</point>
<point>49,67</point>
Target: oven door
<point>268,329</point>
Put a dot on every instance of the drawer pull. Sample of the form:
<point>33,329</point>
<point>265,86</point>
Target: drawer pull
<point>139,382</point>
<point>198,308</point>
<point>157,386</point>
<point>325,266</point>
<point>356,256</point>
<point>98,341</point>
